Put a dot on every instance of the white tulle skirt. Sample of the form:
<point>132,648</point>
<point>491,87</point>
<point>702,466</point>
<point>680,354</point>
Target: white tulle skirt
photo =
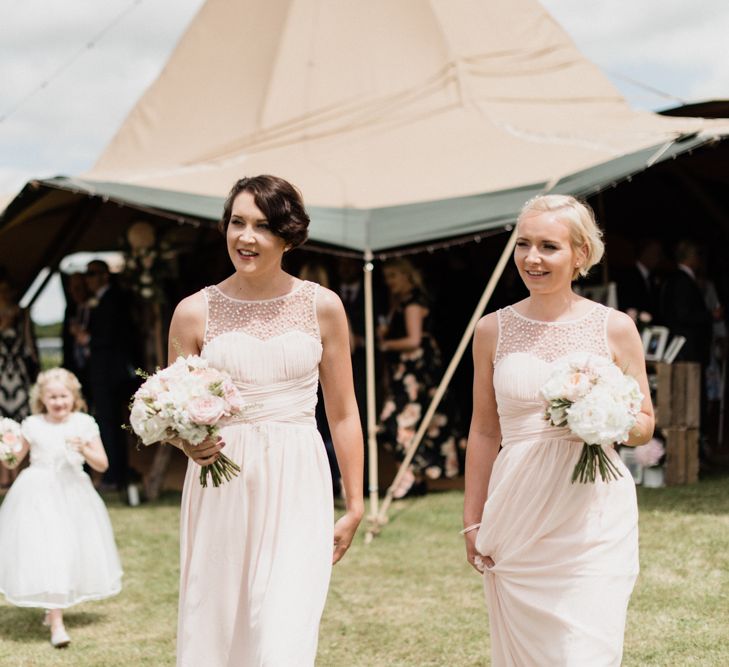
<point>56,542</point>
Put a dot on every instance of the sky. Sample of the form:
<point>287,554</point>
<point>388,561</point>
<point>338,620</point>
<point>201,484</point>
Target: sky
<point>70,71</point>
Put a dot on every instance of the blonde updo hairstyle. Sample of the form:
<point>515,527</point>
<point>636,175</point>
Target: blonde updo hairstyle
<point>585,235</point>
<point>64,377</point>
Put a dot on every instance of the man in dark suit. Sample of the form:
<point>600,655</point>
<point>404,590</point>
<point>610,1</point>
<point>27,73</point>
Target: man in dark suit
<point>637,289</point>
<point>683,308</point>
<point>110,369</point>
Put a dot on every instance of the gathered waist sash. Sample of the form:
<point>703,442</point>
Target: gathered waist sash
<point>518,436</point>
<point>291,402</point>
<point>289,420</point>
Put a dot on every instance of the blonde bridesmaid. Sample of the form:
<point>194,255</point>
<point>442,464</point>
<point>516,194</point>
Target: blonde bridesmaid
<point>559,560</point>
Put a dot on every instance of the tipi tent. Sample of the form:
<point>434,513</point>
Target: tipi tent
<point>379,104</point>
<point>402,123</point>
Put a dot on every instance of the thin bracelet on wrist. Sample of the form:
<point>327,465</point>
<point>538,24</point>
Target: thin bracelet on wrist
<point>468,529</point>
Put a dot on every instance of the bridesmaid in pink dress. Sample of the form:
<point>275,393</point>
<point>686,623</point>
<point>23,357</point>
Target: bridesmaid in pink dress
<point>256,553</point>
<point>559,560</point>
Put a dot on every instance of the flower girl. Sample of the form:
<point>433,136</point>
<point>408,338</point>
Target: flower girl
<point>56,542</point>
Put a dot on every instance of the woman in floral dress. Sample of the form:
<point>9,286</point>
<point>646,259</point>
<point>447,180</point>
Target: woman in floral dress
<point>414,371</point>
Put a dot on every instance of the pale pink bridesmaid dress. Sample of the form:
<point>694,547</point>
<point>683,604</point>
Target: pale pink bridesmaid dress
<point>566,555</point>
<point>256,552</point>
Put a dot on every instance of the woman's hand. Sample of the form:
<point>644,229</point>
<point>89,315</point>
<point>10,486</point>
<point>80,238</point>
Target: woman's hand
<point>204,454</point>
<point>475,559</point>
<point>344,531</point>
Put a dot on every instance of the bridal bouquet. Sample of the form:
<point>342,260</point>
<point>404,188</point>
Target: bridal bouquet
<point>598,403</point>
<point>187,400</point>
<point>10,440</point>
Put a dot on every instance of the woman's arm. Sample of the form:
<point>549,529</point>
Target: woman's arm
<point>187,330</point>
<point>627,350</point>
<point>484,437</point>
<point>335,375</point>
<point>415,314</point>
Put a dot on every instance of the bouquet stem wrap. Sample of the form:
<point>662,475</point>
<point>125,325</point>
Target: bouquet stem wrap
<point>593,460</point>
<point>223,470</point>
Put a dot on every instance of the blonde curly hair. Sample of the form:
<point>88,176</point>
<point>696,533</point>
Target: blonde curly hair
<point>579,216</point>
<point>65,377</point>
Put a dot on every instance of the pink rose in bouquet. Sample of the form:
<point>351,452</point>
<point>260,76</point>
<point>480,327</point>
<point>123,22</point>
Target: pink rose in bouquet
<point>207,410</point>
<point>188,400</point>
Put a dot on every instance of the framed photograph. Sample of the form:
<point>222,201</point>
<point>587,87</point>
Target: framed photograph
<point>674,347</point>
<point>654,342</point>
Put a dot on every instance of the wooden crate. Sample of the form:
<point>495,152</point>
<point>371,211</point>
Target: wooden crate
<point>678,395</point>
<point>682,455</point>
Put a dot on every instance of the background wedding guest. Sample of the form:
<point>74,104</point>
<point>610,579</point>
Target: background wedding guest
<point>18,360</point>
<point>414,370</point>
<point>683,307</point>
<point>685,313</point>
<point>637,286</point>
<point>75,328</point>
<point>111,366</point>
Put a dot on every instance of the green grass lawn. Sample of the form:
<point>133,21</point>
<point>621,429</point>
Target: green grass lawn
<point>408,599</point>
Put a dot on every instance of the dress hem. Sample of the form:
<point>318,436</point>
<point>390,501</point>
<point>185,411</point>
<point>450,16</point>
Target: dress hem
<point>84,598</point>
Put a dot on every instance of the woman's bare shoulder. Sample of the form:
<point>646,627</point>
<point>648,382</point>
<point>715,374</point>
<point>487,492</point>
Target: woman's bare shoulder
<point>328,302</point>
<point>487,328</point>
<point>191,309</point>
<point>620,324</point>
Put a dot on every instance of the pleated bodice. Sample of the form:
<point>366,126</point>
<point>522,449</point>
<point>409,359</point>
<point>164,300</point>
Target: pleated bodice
<point>271,348</point>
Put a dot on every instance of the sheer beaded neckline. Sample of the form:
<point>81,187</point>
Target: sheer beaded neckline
<point>544,340</point>
<point>550,322</point>
<point>262,318</point>
<point>273,298</point>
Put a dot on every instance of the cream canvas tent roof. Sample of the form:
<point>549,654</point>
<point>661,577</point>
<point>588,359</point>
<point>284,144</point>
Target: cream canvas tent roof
<point>403,122</point>
<point>368,105</point>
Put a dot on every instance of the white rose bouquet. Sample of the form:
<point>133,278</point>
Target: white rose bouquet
<point>10,441</point>
<point>187,400</point>
<point>598,403</point>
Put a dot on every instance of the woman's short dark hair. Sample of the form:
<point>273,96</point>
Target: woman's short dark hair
<point>279,201</point>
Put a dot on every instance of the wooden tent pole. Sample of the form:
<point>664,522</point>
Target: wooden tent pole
<point>381,518</point>
<point>371,400</point>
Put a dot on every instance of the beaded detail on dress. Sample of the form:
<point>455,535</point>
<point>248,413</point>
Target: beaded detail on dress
<point>264,319</point>
<point>552,340</point>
